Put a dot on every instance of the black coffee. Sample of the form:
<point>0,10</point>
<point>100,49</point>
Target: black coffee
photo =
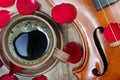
<point>31,45</point>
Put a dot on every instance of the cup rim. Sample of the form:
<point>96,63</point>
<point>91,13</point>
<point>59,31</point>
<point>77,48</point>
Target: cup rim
<point>11,58</point>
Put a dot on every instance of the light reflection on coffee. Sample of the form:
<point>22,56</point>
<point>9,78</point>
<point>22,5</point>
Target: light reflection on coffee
<point>31,45</point>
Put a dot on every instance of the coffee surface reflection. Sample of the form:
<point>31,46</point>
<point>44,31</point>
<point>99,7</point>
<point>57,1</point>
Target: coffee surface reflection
<point>31,45</point>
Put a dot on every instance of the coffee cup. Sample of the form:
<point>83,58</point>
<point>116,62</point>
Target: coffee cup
<point>33,42</point>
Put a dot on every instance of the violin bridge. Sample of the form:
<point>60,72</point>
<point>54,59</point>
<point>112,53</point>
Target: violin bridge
<point>99,4</point>
<point>114,44</point>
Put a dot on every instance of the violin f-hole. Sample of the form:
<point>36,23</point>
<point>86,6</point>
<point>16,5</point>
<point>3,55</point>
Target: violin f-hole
<point>101,52</point>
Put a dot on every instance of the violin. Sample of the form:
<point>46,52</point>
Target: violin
<point>101,59</point>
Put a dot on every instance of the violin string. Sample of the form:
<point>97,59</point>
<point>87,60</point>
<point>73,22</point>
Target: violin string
<point>118,8</point>
<point>116,18</point>
<point>107,20</point>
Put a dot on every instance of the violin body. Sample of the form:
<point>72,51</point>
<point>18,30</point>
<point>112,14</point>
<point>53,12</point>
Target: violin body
<point>87,20</point>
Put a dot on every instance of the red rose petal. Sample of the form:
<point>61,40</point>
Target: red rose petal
<point>75,52</point>
<point>114,34</point>
<point>6,3</point>
<point>14,69</point>
<point>8,77</point>
<point>42,77</point>
<point>64,13</point>
<point>27,6</point>
<point>1,64</point>
<point>4,18</point>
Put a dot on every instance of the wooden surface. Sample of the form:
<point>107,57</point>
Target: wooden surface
<point>62,71</point>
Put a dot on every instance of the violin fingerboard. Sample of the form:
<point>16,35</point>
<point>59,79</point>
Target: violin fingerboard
<point>99,4</point>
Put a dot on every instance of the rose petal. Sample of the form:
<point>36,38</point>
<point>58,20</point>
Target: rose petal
<point>8,77</point>
<point>112,32</point>
<point>42,77</point>
<point>27,6</point>
<point>64,13</point>
<point>1,64</point>
<point>4,18</point>
<point>14,69</point>
<point>75,52</point>
<point>6,3</point>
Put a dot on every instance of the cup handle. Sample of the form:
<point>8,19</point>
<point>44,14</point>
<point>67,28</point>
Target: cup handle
<point>60,55</point>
